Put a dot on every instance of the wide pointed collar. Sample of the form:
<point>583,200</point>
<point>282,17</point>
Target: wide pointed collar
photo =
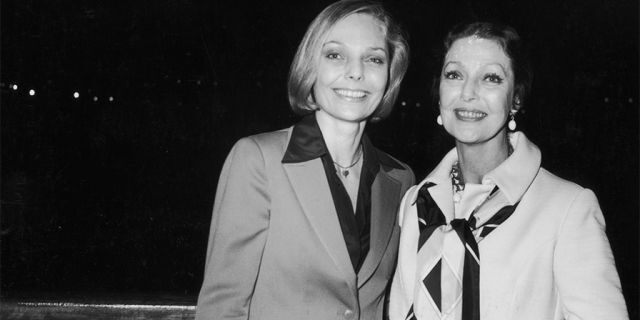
<point>307,143</point>
<point>516,173</point>
<point>513,176</point>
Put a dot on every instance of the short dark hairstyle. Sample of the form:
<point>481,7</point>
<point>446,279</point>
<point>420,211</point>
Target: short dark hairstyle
<point>508,39</point>
<point>302,75</point>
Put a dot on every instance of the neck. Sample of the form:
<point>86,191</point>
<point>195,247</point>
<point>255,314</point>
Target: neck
<point>342,138</point>
<point>478,159</point>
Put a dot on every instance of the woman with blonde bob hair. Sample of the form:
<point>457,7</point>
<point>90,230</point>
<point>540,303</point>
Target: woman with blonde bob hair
<point>303,72</point>
<point>304,220</point>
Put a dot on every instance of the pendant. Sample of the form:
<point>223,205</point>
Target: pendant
<point>345,173</point>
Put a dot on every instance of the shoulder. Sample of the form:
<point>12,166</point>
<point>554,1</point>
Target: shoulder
<point>268,139</point>
<point>396,168</point>
<point>566,187</point>
<point>560,197</point>
<point>554,186</point>
<point>265,144</point>
<point>390,158</point>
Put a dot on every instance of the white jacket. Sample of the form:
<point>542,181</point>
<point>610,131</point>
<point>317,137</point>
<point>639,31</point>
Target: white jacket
<point>550,260</point>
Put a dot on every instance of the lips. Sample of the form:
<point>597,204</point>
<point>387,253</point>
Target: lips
<point>351,94</point>
<point>469,115</point>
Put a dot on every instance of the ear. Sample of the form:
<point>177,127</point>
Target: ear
<point>517,103</point>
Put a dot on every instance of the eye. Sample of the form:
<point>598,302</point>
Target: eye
<point>332,55</point>
<point>451,75</point>
<point>377,60</point>
<point>492,77</point>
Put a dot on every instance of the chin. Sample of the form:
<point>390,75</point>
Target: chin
<point>474,136</point>
<point>356,119</point>
<point>461,134</point>
<point>467,140</point>
<point>355,116</point>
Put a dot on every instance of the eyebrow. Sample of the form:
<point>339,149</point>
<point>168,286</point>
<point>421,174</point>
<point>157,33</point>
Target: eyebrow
<point>342,44</point>
<point>492,63</point>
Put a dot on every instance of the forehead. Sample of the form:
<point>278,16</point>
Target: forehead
<point>357,28</point>
<point>477,51</point>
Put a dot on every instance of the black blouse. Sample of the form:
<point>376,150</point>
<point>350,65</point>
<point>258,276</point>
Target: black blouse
<point>307,143</point>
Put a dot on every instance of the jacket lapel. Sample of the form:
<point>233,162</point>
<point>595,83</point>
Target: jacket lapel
<point>310,184</point>
<point>385,197</point>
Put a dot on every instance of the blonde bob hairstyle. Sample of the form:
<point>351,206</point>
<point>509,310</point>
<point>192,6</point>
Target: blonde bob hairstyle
<point>303,73</point>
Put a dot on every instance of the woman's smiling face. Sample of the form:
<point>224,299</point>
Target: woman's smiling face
<point>353,69</point>
<point>476,90</point>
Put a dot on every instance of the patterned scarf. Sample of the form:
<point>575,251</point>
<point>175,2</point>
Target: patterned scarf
<point>452,284</point>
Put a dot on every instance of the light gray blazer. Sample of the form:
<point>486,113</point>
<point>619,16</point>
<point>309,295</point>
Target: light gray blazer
<point>276,249</point>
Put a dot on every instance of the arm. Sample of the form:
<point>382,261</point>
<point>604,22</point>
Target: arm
<point>237,237</point>
<point>412,179</point>
<point>584,267</point>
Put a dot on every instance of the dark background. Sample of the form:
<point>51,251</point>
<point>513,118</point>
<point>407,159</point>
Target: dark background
<point>114,196</point>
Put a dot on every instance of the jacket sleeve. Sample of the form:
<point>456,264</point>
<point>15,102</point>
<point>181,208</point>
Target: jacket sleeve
<point>237,236</point>
<point>584,267</point>
<point>407,187</point>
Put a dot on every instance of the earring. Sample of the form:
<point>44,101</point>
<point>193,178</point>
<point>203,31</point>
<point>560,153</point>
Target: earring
<point>516,100</point>
<point>439,119</point>
<point>512,122</point>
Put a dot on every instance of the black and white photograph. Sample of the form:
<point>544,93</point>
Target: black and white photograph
<point>351,159</point>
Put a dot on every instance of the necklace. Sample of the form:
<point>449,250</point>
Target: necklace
<point>457,181</point>
<point>345,170</point>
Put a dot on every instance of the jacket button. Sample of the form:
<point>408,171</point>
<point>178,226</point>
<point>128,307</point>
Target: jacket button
<point>348,314</point>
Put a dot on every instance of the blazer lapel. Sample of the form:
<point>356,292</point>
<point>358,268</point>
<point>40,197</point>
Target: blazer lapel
<point>310,184</point>
<point>385,197</point>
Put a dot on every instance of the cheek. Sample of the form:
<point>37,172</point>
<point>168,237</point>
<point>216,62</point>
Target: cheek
<point>447,93</point>
<point>378,79</point>
<point>320,87</point>
<point>326,74</point>
<point>499,101</point>
<point>322,79</point>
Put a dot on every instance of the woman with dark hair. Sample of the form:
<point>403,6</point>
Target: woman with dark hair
<point>489,234</point>
<point>304,221</point>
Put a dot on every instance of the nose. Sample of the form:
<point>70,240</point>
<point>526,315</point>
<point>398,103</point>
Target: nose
<point>468,90</point>
<point>355,70</point>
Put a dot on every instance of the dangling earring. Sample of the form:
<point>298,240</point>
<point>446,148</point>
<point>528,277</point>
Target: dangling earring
<point>439,119</point>
<point>512,122</point>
